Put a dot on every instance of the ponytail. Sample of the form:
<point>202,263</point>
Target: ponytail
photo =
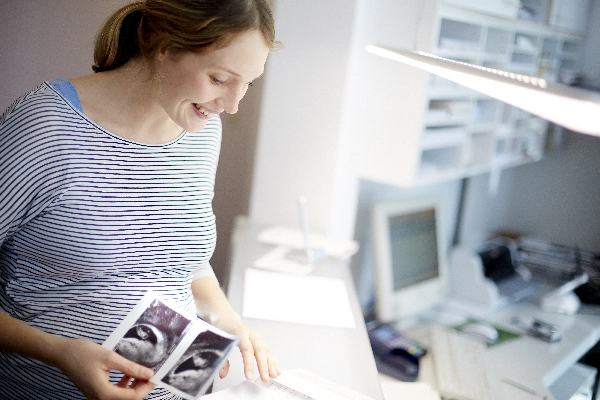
<point>117,41</point>
<point>145,27</point>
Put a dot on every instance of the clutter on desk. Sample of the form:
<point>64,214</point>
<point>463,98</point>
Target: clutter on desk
<point>490,333</point>
<point>395,354</point>
<point>563,299</point>
<point>490,275</point>
<point>539,329</point>
<point>562,264</point>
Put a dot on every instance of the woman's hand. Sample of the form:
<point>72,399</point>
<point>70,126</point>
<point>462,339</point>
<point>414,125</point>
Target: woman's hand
<point>85,363</point>
<point>88,365</point>
<point>252,346</point>
<point>213,307</point>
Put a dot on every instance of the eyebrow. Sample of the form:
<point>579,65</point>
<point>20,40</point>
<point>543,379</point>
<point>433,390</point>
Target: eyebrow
<point>229,71</point>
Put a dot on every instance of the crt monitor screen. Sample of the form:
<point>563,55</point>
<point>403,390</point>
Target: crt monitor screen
<point>410,259</point>
<point>413,246</point>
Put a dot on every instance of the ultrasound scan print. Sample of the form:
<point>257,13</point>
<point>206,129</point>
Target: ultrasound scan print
<point>153,336</point>
<point>198,363</point>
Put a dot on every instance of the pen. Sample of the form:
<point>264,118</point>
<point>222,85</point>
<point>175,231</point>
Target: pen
<point>521,387</point>
<point>304,227</point>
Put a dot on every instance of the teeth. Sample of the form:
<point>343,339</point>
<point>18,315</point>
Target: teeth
<point>204,111</point>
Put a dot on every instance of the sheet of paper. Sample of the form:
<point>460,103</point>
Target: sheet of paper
<point>245,390</point>
<point>258,391</point>
<point>277,260</point>
<point>292,298</point>
<point>304,389</point>
<point>295,384</point>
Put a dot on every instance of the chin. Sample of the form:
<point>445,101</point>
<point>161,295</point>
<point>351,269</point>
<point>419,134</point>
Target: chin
<point>196,127</point>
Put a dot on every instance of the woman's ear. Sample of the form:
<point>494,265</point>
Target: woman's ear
<point>162,54</point>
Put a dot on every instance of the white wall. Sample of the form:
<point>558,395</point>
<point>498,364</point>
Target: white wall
<point>42,40</point>
<point>558,199</point>
<point>317,111</point>
<point>299,130</point>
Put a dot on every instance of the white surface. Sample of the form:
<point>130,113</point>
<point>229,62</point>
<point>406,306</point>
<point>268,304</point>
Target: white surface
<point>397,390</point>
<point>293,238</point>
<point>278,260</point>
<point>312,300</point>
<point>292,384</point>
<point>340,355</point>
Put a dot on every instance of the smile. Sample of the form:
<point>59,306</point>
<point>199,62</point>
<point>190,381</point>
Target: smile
<point>204,111</point>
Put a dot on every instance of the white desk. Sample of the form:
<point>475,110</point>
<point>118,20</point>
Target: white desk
<point>526,361</point>
<point>536,364</point>
<point>344,355</point>
<point>341,355</point>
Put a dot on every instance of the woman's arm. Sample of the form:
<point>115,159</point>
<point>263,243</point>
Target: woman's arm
<point>85,363</point>
<point>213,307</point>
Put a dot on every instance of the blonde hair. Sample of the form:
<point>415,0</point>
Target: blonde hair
<point>144,28</point>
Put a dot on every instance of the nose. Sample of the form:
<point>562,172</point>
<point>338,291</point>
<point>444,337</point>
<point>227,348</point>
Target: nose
<point>230,100</point>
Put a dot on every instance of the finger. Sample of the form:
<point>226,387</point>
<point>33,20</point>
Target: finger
<point>142,387</point>
<point>129,368</point>
<point>274,370</point>
<point>138,390</point>
<point>247,357</point>
<point>224,370</point>
<point>124,382</point>
<point>262,360</point>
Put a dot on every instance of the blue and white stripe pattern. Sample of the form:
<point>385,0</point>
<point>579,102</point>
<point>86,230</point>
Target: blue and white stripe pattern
<point>89,221</point>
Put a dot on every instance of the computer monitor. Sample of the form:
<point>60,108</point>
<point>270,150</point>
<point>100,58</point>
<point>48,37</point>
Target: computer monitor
<point>410,257</point>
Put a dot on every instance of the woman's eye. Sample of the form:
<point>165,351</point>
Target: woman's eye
<point>216,81</point>
<point>250,84</point>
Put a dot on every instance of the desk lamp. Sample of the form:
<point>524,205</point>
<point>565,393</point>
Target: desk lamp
<point>573,108</point>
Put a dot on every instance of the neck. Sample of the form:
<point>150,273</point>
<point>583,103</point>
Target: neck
<point>124,102</point>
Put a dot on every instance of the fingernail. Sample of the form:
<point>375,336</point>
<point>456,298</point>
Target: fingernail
<point>250,375</point>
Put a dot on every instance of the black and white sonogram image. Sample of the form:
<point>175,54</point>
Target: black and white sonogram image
<point>198,363</point>
<point>153,336</point>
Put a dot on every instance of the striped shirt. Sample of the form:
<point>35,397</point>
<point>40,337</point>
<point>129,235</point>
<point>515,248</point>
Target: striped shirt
<point>89,221</point>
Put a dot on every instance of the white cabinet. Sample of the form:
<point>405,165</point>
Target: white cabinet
<point>571,15</point>
<point>502,8</point>
<point>458,132</point>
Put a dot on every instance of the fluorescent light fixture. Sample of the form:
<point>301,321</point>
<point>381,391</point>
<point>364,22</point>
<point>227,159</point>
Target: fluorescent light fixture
<point>573,108</point>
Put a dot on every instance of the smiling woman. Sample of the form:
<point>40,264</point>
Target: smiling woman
<point>106,185</point>
<point>159,59</point>
<point>195,87</point>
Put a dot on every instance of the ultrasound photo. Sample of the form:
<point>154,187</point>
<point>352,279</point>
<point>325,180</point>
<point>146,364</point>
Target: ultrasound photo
<point>154,335</point>
<point>199,362</point>
<point>184,351</point>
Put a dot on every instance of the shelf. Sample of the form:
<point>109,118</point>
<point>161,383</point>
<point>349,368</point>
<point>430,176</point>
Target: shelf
<point>493,134</point>
<point>454,131</point>
<point>443,138</point>
<point>458,35</point>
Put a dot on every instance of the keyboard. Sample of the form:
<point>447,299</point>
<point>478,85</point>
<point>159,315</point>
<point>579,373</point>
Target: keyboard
<point>460,366</point>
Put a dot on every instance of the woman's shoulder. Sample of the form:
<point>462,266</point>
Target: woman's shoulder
<point>40,102</point>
